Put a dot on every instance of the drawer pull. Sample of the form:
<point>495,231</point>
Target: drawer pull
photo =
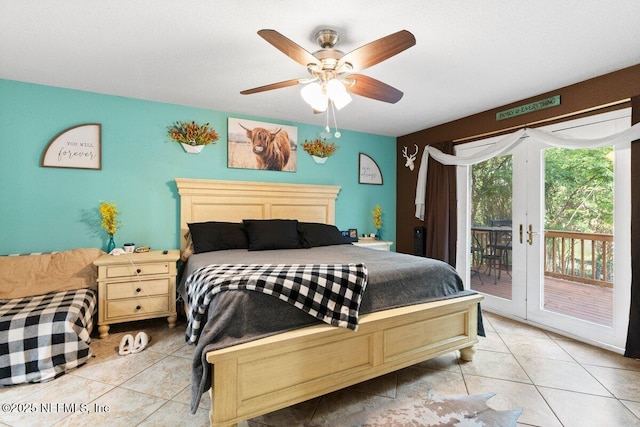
<point>138,290</point>
<point>138,307</point>
<point>138,271</point>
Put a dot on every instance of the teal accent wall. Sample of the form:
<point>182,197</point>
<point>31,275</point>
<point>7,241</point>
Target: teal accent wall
<point>45,209</point>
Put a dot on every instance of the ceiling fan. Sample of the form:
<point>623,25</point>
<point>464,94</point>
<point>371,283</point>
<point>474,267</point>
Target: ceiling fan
<point>331,79</point>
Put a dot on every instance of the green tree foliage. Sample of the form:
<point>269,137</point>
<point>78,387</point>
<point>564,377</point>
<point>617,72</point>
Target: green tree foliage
<point>491,186</point>
<point>579,190</point>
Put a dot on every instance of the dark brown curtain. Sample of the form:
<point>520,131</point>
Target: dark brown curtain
<point>633,334</point>
<point>440,209</point>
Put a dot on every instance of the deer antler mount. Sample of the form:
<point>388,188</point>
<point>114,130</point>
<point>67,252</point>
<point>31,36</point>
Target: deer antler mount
<point>410,157</point>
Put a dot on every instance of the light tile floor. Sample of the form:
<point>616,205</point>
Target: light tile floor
<point>557,381</point>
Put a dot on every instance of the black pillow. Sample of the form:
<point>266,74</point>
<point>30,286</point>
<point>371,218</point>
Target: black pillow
<point>313,234</point>
<point>218,236</point>
<point>267,234</point>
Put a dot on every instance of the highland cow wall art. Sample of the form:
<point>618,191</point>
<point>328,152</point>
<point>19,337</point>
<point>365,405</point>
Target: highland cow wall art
<point>260,145</point>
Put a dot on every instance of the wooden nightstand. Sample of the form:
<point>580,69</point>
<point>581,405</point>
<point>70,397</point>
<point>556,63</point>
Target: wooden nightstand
<point>380,245</point>
<point>136,286</point>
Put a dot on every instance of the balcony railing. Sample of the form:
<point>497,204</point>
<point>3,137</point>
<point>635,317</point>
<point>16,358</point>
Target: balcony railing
<point>579,257</point>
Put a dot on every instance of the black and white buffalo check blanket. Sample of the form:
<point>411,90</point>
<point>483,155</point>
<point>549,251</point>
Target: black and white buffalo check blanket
<point>329,292</point>
<point>43,336</point>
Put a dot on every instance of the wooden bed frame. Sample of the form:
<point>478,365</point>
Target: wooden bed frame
<point>268,374</point>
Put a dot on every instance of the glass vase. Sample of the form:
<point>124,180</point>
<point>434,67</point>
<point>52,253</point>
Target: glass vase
<point>111,245</point>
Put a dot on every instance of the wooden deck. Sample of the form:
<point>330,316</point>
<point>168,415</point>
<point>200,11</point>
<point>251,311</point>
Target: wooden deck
<point>588,302</point>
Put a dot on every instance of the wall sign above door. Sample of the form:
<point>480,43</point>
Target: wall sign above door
<point>554,101</point>
<point>76,147</point>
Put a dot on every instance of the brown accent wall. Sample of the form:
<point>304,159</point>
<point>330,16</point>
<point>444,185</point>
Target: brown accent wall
<point>586,95</point>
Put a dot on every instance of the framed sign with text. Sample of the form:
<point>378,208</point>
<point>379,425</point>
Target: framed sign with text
<point>77,147</point>
<point>369,172</point>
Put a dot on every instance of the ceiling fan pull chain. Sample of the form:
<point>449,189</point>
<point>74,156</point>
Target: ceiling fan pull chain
<point>327,128</point>
<point>335,122</point>
<point>337,134</point>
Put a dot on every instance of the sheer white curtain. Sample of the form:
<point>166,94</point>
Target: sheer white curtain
<point>507,143</point>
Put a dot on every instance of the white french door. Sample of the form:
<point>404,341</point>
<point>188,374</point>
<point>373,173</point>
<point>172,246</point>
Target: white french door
<point>528,286</point>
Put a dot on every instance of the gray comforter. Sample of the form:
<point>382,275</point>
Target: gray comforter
<point>235,317</point>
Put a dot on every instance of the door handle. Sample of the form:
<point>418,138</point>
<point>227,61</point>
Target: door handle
<point>530,235</point>
<point>521,230</point>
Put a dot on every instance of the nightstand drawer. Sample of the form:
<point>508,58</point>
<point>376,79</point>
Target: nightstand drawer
<point>141,269</point>
<point>139,289</point>
<point>137,306</point>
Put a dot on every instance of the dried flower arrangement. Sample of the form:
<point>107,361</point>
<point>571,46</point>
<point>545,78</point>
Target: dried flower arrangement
<point>319,147</point>
<point>109,214</point>
<point>377,217</point>
<point>192,133</point>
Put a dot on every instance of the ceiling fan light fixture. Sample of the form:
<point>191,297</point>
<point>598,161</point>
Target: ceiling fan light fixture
<point>315,96</point>
<point>337,93</point>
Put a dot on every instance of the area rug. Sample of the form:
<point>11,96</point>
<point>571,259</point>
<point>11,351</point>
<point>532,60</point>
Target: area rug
<point>434,410</point>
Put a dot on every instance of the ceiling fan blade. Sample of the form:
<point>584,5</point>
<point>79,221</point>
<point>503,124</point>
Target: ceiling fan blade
<point>374,89</point>
<point>379,50</point>
<point>272,86</point>
<point>289,48</point>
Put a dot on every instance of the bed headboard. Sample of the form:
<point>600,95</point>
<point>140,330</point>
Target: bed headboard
<point>232,201</point>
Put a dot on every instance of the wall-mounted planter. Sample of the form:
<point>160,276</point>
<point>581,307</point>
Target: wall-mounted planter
<point>191,135</point>
<point>320,160</point>
<point>193,149</point>
<point>319,149</point>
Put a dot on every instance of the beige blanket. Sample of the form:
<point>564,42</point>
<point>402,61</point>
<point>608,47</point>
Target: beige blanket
<point>22,276</point>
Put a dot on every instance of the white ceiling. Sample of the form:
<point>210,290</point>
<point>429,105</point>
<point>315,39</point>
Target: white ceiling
<point>470,56</point>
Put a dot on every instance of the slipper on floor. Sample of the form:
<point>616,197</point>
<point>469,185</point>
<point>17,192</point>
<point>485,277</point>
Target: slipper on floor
<point>126,345</point>
<point>140,343</point>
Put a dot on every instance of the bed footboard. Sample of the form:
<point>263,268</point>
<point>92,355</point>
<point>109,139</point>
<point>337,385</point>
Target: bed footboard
<point>275,372</point>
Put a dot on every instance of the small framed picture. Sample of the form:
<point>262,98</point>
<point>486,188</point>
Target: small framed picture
<point>350,234</point>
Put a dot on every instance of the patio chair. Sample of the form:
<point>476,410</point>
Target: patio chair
<point>477,252</point>
<point>498,248</point>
